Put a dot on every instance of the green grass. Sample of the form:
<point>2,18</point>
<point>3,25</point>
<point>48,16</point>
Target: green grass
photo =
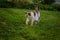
<point>13,27</point>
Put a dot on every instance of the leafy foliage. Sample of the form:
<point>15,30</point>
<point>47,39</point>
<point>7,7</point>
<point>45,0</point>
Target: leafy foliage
<point>48,1</point>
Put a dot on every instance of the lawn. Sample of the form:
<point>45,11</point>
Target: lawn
<point>13,27</point>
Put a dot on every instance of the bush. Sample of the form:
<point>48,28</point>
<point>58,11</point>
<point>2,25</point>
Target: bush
<point>50,7</point>
<point>24,5</point>
<point>56,7</point>
<point>46,7</point>
<point>48,1</point>
<point>6,4</point>
<point>27,5</point>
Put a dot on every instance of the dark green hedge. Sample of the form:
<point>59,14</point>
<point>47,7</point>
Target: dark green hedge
<point>26,5</point>
<point>55,7</point>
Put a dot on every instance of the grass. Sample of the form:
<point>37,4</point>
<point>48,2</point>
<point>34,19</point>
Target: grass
<point>13,27</point>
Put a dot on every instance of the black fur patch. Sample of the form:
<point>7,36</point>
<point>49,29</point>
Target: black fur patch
<point>34,14</point>
<point>29,14</point>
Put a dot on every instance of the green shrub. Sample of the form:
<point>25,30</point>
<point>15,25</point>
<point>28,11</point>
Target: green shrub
<point>6,4</point>
<point>56,7</point>
<point>50,7</point>
<point>26,5</point>
<point>46,7</point>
